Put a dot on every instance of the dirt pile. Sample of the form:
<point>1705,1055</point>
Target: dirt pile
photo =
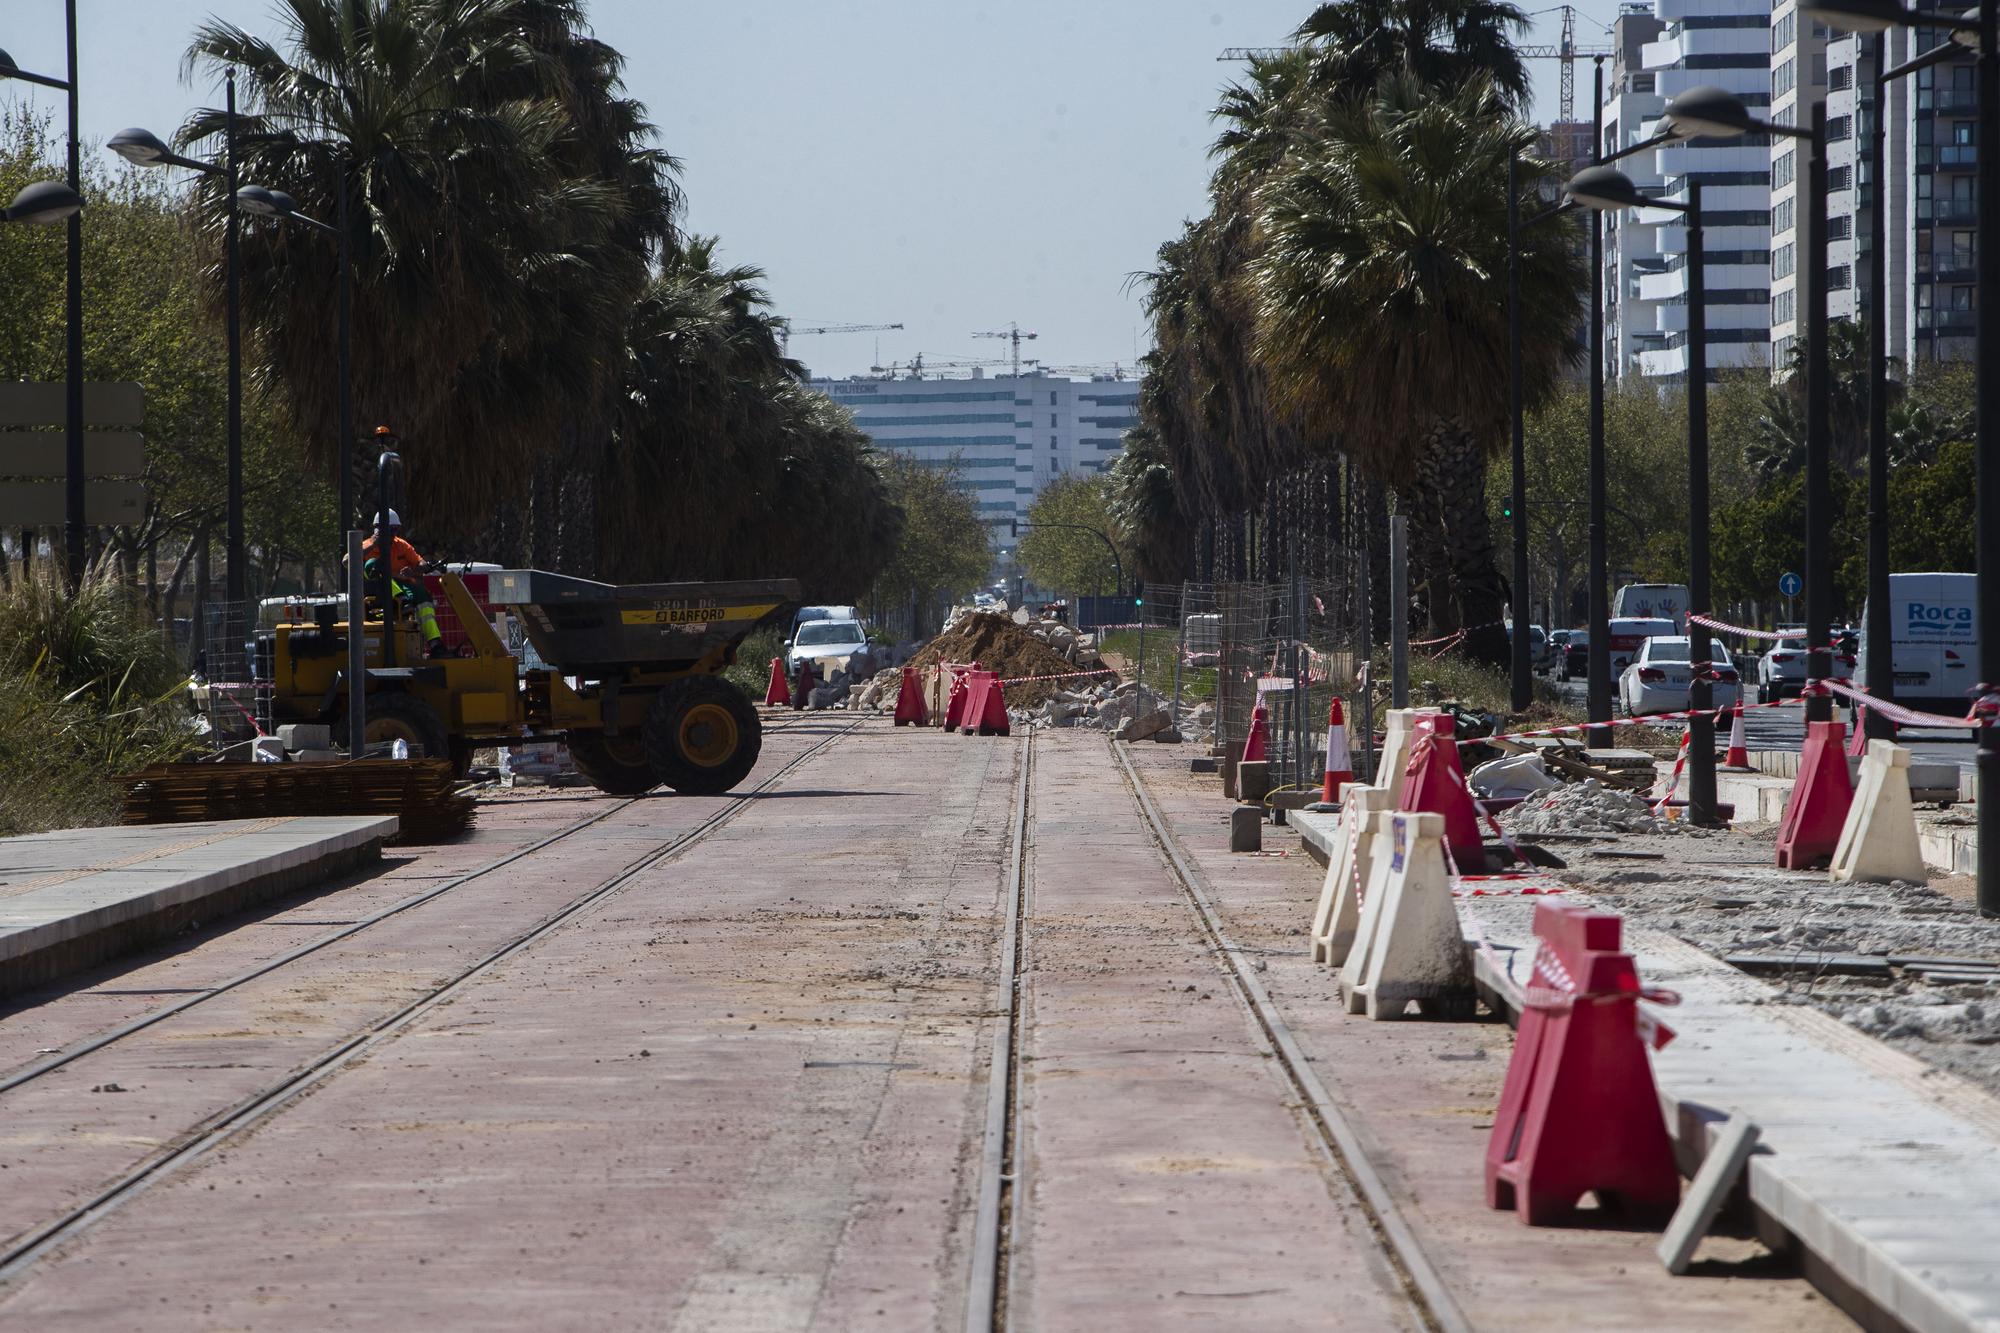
<point>998,644</point>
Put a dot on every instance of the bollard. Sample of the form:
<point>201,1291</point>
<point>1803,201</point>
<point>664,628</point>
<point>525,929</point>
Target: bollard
<point>1253,780</point>
<point>1246,829</point>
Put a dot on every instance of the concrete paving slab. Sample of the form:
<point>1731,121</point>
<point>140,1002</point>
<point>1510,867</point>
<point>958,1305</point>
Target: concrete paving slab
<point>75,896</point>
<point>1876,1163</point>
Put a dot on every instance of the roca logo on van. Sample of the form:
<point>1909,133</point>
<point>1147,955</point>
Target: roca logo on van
<point>1939,617</point>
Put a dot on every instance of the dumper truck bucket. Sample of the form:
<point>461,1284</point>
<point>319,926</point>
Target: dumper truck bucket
<point>578,625</point>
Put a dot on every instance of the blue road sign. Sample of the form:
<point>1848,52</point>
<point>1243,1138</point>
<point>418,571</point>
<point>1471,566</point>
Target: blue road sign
<point>1790,585</point>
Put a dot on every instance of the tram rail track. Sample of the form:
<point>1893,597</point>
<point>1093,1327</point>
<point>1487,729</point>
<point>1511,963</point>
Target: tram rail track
<point>26,1249</point>
<point>1333,1133</point>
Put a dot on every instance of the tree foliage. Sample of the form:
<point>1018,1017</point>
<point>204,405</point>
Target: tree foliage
<point>1068,560</point>
<point>941,551</point>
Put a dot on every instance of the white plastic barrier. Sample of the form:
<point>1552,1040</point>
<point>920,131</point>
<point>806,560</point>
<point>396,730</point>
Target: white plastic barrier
<point>1879,839</point>
<point>1416,949</point>
<point>1339,910</point>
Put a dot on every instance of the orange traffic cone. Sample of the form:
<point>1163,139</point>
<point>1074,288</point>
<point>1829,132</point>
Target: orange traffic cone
<point>1339,764</point>
<point>777,694</point>
<point>910,710</point>
<point>1253,746</point>
<point>1739,752</point>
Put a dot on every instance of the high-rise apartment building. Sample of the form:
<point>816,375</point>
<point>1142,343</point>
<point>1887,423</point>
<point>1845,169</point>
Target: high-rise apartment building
<point>1924,183</point>
<point>1664,49</point>
<point>1010,434</point>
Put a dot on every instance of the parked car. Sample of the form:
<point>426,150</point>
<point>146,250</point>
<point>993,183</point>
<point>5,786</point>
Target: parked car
<point>1782,671</point>
<point>1538,644</point>
<point>824,638</point>
<point>1629,633</point>
<point>1934,646</point>
<point>1574,663</point>
<point>1658,679</point>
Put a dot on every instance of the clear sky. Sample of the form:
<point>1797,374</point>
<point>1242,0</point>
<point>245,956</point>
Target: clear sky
<point>949,166</point>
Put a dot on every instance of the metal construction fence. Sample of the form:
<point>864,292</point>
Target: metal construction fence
<point>1216,649</point>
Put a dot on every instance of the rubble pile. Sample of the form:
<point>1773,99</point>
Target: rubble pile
<point>1130,712</point>
<point>998,643</point>
<point>1588,807</point>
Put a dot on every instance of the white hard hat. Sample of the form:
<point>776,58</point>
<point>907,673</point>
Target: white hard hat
<point>395,519</point>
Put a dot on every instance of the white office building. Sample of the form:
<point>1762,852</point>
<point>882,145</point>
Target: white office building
<point>1664,49</point>
<point>1011,434</point>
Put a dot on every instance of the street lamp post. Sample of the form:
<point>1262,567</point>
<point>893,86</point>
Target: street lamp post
<point>1597,648</point>
<point>146,149</point>
<point>1604,188</point>
<point>73,463</point>
<point>1980,30</point>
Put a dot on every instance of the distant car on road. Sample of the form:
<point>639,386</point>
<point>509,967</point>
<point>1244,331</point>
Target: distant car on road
<point>1538,645</point>
<point>1628,634</point>
<point>1782,671</point>
<point>824,638</point>
<point>1658,679</point>
<point>1573,663</point>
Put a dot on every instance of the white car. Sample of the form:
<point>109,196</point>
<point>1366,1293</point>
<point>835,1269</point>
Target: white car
<point>1628,634</point>
<point>1659,677</point>
<point>1781,671</point>
<point>817,639</point>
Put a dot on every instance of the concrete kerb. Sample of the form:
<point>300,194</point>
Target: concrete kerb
<point>93,913</point>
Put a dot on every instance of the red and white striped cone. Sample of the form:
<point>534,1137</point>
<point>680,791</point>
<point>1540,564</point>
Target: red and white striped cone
<point>1739,752</point>
<point>1339,764</point>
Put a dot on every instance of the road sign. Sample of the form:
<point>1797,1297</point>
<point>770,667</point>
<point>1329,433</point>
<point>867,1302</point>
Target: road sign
<point>112,404</point>
<point>106,453</point>
<point>40,504</point>
<point>1790,584</point>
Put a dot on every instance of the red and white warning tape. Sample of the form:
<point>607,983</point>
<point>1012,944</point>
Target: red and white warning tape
<point>1061,675</point>
<point>1908,717</point>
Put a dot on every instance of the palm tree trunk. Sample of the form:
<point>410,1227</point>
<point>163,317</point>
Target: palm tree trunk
<point>1430,565</point>
<point>1457,468</point>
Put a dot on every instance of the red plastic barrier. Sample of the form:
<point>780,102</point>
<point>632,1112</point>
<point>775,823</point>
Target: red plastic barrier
<point>985,712</point>
<point>803,681</point>
<point>1253,744</point>
<point>1820,797</point>
<point>777,694</point>
<point>1435,782</point>
<point>954,707</point>
<point>910,710</point>
<point>1579,1113</point>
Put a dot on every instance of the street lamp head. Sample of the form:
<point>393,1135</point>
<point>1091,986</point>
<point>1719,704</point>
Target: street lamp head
<point>1967,34</point>
<point>140,147</point>
<point>1858,15</point>
<point>1710,111</point>
<point>8,69</point>
<point>45,201</point>
<point>1606,189</point>
<point>264,203</point>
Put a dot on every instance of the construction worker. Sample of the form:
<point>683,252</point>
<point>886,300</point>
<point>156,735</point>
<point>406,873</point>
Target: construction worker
<point>405,579</point>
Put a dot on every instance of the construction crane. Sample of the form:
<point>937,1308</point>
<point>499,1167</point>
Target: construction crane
<point>1565,50</point>
<point>1012,333</point>
<point>916,365</point>
<point>788,330</point>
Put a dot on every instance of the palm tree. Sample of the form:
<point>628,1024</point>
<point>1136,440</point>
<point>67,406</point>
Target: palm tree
<point>1356,44</point>
<point>491,247</point>
<point>1381,311</point>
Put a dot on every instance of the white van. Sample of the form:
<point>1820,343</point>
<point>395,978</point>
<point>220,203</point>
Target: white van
<point>1653,601</point>
<point>1935,644</point>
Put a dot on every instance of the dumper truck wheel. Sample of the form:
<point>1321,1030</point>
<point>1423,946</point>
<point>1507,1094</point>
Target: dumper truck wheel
<point>702,736</point>
<point>617,765</point>
<point>403,717</point>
